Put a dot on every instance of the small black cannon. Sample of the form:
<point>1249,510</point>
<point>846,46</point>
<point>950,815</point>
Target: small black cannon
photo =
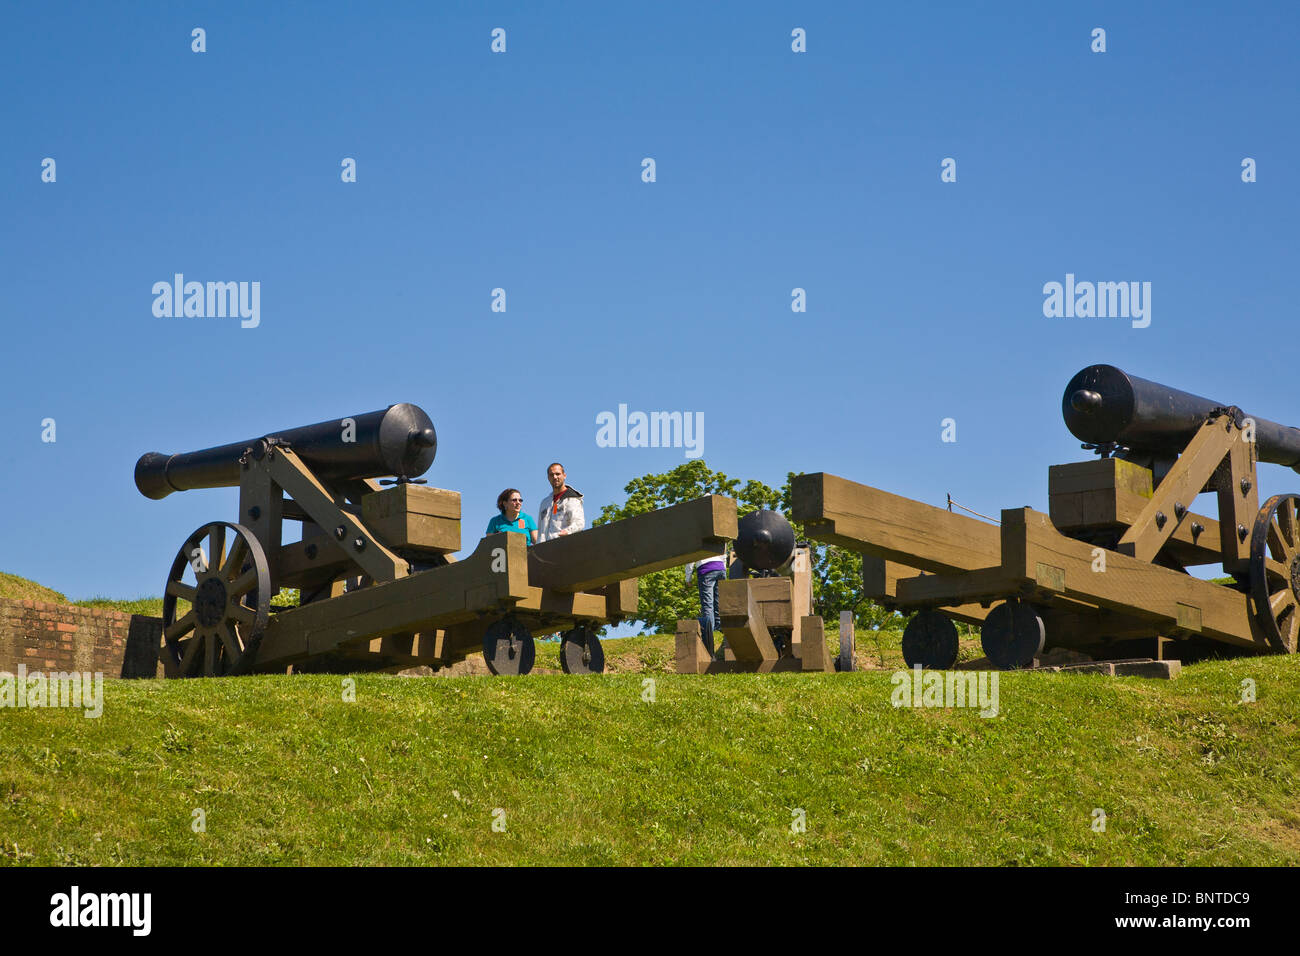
<point>764,543</point>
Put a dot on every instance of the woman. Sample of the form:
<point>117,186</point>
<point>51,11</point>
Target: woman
<point>510,503</point>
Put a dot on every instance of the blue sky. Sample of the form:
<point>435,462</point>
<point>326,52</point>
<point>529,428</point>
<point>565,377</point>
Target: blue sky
<point>522,171</point>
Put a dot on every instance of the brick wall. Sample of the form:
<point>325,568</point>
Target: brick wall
<point>63,637</point>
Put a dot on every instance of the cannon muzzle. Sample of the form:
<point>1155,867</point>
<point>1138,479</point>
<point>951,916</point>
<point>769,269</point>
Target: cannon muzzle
<point>1104,405</point>
<point>764,540</point>
<point>399,440</point>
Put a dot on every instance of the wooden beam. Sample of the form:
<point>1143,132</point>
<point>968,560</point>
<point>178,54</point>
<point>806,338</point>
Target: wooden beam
<point>622,598</point>
<point>1238,492</point>
<point>874,522</point>
<point>880,579</point>
<point>634,546</point>
<point>260,496</point>
<point>966,587</point>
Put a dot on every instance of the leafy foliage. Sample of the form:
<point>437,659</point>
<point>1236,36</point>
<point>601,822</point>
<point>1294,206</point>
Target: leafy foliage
<point>667,597</point>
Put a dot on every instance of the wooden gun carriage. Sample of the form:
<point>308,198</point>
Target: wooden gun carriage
<point>764,607</point>
<point>1105,571</point>
<point>378,588</point>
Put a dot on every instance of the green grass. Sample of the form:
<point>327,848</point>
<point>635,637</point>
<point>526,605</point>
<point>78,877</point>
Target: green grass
<point>152,607</point>
<point>587,772</point>
<point>20,589</point>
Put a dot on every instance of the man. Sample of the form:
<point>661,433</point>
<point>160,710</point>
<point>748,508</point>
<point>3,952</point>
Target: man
<point>707,574</point>
<point>560,512</point>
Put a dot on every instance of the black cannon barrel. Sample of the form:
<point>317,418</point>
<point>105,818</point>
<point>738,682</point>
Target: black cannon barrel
<point>399,440</point>
<point>1104,404</point>
<point>764,540</point>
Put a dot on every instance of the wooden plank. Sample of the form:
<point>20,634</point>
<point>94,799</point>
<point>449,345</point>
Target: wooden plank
<point>1032,548</point>
<point>742,622</point>
<point>874,522</point>
<point>413,517</point>
<point>634,546</point>
<point>801,595</point>
<point>1238,504</point>
<point>880,583</point>
<point>398,501</point>
<point>966,587</point>
<point>1099,474</point>
<point>814,656</point>
<point>574,606</point>
<point>416,532</point>
<point>425,601</point>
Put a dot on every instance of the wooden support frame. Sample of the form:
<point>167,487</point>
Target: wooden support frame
<point>1087,595</point>
<point>1176,603</point>
<point>1170,504</point>
<point>361,545</point>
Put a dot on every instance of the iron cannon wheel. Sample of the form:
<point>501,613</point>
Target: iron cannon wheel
<point>580,651</point>
<point>229,591</point>
<point>508,647</point>
<point>930,639</point>
<point>1012,635</point>
<point>1275,571</point>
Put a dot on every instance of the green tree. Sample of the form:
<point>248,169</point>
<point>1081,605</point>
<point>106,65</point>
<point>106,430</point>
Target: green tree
<point>666,596</point>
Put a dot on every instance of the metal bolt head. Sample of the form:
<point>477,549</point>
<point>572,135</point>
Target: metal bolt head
<point>255,512</point>
<point>1242,533</point>
<point>1197,528</point>
<point>311,552</point>
<point>1180,509</point>
<point>340,532</point>
<point>1245,486</point>
<point>1160,519</point>
<point>359,543</point>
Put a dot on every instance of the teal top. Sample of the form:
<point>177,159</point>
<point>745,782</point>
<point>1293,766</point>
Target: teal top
<point>521,525</point>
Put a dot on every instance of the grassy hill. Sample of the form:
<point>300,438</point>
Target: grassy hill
<point>21,589</point>
<point>17,588</point>
<point>585,771</point>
